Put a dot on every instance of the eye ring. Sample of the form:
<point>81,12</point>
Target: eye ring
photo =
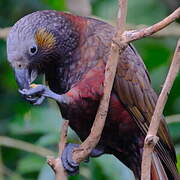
<point>33,50</point>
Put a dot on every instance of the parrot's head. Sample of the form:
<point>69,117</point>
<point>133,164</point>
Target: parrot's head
<point>38,41</point>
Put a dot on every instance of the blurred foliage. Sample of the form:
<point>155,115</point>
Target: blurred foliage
<point>40,125</point>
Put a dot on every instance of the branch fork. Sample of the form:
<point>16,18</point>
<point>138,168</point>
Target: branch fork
<point>56,163</point>
<point>151,140</point>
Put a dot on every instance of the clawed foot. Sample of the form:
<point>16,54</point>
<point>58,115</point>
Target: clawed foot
<point>37,94</point>
<point>69,164</point>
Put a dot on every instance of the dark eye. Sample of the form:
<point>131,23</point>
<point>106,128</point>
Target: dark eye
<point>33,50</point>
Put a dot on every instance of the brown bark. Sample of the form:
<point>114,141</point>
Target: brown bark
<point>56,164</point>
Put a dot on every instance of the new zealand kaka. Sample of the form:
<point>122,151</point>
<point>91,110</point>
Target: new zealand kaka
<point>72,52</point>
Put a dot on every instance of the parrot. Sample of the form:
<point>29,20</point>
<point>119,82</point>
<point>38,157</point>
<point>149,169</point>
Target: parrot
<point>71,51</point>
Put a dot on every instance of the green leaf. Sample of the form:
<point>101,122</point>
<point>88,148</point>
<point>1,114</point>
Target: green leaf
<point>178,162</point>
<point>118,171</point>
<point>145,12</point>
<point>151,11</point>
<point>43,119</point>
<point>175,131</point>
<point>56,4</point>
<point>105,9</point>
<point>30,163</point>
<point>48,139</point>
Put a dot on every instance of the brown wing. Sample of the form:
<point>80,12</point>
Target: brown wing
<point>132,84</point>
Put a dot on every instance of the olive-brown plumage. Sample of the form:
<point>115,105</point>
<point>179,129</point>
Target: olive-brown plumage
<point>72,52</point>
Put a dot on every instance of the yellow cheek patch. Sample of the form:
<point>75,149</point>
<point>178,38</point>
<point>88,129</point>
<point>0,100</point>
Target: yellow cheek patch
<point>45,39</point>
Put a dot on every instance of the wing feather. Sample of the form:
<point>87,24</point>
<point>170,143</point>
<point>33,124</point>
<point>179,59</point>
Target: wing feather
<point>133,87</point>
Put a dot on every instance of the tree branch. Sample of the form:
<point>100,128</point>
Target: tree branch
<point>130,36</point>
<point>151,139</point>
<point>173,118</point>
<point>25,146</point>
<point>56,164</point>
<point>169,31</point>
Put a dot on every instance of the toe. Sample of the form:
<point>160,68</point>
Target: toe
<point>69,168</point>
<point>39,100</point>
<point>69,164</point>
<point>70,148</point>
<point>32,91</point>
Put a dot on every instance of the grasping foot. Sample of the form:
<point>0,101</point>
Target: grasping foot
<point>37,95</point>
<point>69,164</point>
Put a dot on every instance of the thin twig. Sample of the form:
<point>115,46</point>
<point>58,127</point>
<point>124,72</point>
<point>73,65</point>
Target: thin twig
<point>98,125</point>
<point>25,146</point>
<point>56,164</point>
<point>169,31</point>
<point>63,137</point>
<point>154,125</point>
<point>173,118</point>
<point>130,36</point>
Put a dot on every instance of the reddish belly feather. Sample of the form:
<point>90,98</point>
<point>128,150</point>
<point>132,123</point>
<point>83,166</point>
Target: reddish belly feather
<point>85,97</point>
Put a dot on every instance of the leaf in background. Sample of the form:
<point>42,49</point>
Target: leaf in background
<point>176,105</point>
<point>154,52</point>
<point>48,139</point>
<point>56,4</point>
<point>158,76</point>
<point>15,177</point>
<point>175,132</point>
<point>105,9</point>
<point>108,10</point>
<point>178,162</point>
<point>113,168</point>
<point>174,126</point>
<point>154,10</point>
<point>43,119</point>
<point>30,163</point>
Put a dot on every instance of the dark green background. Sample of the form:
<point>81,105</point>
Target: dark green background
<point>40,125</point>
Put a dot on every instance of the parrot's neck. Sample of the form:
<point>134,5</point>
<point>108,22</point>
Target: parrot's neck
<point>62,78</point>
<point>90,49</point>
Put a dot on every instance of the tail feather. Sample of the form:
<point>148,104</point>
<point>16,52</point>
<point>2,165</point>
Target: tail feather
<point>158,171</point>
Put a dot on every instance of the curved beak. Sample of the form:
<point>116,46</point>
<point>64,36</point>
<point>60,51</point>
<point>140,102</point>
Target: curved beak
<point>24,77</point>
